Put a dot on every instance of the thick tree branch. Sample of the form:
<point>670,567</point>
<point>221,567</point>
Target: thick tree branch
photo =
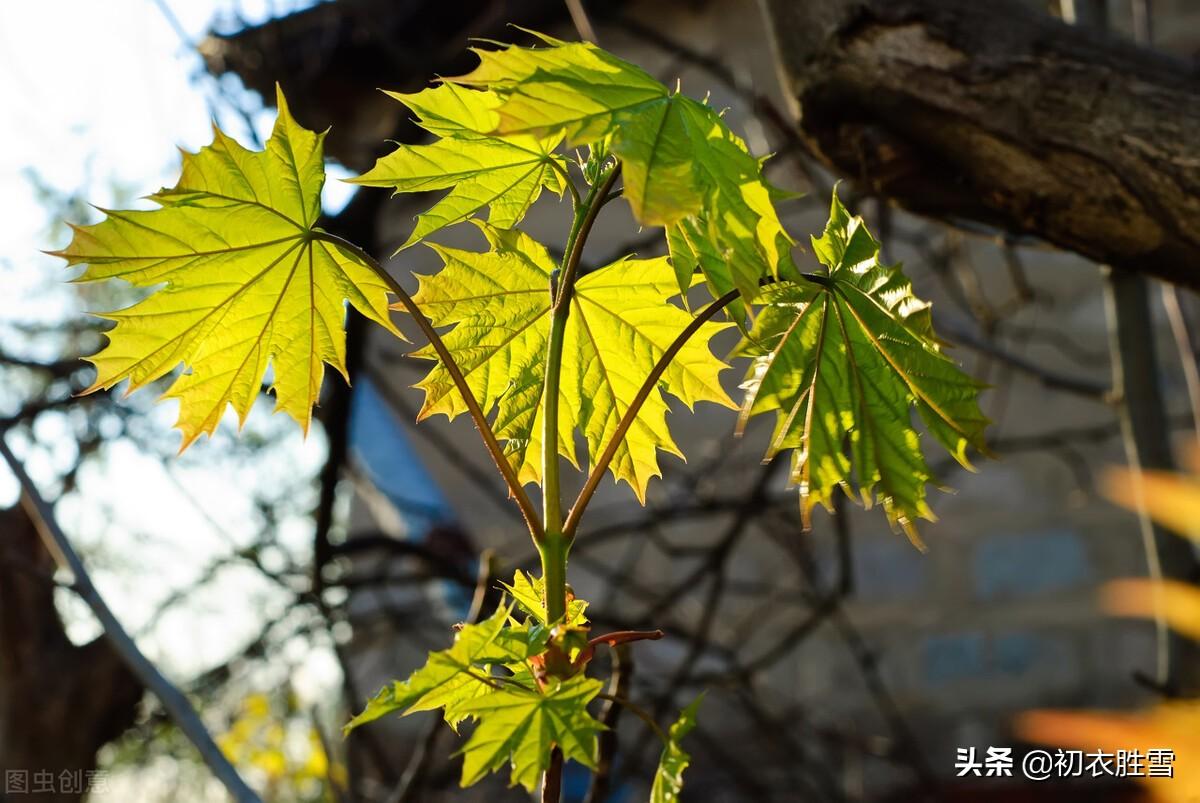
<point>991,113</point>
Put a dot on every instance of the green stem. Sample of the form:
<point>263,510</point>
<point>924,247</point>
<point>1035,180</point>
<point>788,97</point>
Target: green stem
<point>554,545</point>
<point>553,550</point>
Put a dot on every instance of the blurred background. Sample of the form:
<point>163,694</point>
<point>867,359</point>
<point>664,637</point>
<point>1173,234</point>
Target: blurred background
<point>280,581</point>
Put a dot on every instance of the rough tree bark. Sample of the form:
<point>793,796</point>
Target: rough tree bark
<point>59,703</point>
<point>992,113</point>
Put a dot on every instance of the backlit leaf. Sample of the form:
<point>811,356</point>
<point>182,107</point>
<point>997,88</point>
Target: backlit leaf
<point>620,324</point>
<point>1166,738</point>
<point>679,158</point>
<point>530,595</point>
<point>1173,500</point>
<point>668,780</point>
<point>841,360</point>
<point>572,87</point>
<point>241,283</point>
<point>448,679</point>
<point>520,727</point>
<point>1178,603</point>
<point>503,174</point>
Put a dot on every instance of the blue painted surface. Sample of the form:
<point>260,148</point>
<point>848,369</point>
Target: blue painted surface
<point>386,454</point>
<point>889,568</point>
<point>953,657</point>
<point>1017,653</point>
<point>1029,564</point>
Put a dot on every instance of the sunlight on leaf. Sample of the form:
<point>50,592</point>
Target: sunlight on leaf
<point>530,596</point>
<point>1170,727</point>
<point>668,779</point>
<point>519,727</point>
<point>240,282</point>
<point>504,174</point>
<point>620,324</point>
<point>841,361</point>
<point>1173,500</point>
<point>1180,602</point>
<point>680,161</point>
<point>281,748</point>
<point>447,680</point>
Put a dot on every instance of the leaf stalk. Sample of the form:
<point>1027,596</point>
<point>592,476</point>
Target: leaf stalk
<point>610,450</point>
<point>515,489</point>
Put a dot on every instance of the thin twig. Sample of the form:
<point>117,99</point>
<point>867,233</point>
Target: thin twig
<point>619,681</point>
<point>1187,355</point>
<point>414,774</point>
<point>583,25</point>
<point>505,468</point>
<point>638,712</point>
<point>552,780</point>
<point>172,699</point>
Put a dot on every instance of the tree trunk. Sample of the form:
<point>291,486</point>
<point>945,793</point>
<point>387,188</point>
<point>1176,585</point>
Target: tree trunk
<point>991,113</point>
<point>59,703</point>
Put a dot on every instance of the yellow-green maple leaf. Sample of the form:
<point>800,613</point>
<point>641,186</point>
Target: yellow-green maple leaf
<point>519,726</point>
<point>681,162</point>
<point>620,324</point>
<point>241,281</point>
<point>503,174</point>
<point>449,677</point>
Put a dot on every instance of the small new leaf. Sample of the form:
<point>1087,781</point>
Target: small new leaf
<point>841,361</point>
<point>520,727</point>
<point>668,780</point>
<point>449,679</point>
<point>619,326</point>
<point>241,281</point>
<point>530,595</point>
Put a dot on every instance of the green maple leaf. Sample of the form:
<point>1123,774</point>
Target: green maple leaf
<point>520,727</point>
<point>680,160</point>
<point>242,283</point>
<point>504,174</point>
<point>450,678</point>
<point>668,779</point>
<point>841,361</point>
<point>574,87</point>
<point>619,326</point>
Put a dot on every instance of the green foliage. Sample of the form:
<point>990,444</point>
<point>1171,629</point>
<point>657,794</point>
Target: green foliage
<point>503,174</point>
<point>241,281</point>
<point>668,780</point>
<point>488,676</point>
<point>449,678</point>
<point>529,593</point>
<point>620,325</point>
<point>681,162</point>
<point>241,278</point>
<point>841,360</point>
<point>519,726</point>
